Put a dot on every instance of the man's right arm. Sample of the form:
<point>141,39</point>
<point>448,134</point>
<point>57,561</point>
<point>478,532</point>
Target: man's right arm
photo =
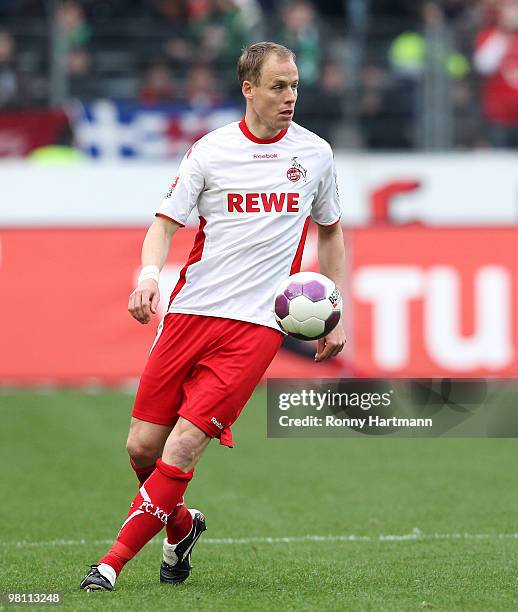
<point>143,302</point>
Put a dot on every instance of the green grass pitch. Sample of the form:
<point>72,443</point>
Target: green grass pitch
<point>66,486</point>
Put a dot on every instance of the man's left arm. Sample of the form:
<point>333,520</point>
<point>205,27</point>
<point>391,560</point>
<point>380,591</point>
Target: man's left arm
<point>331,257</point>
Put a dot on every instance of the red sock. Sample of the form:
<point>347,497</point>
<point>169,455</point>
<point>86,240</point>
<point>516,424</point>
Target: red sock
<point>142,473</point>
<point>180,522</point>
<point>148,513</point>
<point>178,525</point>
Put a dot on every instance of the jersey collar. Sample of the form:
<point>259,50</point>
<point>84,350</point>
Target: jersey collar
<point>250,136</point>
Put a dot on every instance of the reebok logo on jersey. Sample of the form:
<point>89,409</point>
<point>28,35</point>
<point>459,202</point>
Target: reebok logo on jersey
<point>265,156</point>
<point>263,202</point>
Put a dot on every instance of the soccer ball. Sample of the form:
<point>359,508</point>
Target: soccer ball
<point>307,305</point>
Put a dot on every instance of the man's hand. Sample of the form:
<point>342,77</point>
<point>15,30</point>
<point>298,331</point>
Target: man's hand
<point>143,302</point>
<point>331,345</point>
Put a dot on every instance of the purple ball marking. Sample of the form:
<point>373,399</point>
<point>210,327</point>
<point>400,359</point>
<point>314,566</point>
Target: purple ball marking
<point>301,337</point>
<point>282,306</point>
<point>314,290</point>
<point>293,290</point>
<point>331,322</point>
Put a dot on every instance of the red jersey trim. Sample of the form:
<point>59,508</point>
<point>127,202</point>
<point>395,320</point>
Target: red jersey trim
<point>194,256</point>
<point>328,224</point>
<point>169,219</point>
<point>250,136</point>
<point>297,260</point>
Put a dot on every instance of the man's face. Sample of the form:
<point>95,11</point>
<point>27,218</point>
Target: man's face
<point>273,98</point>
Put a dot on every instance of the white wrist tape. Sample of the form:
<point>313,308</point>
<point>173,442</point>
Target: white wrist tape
<point>149,272</point>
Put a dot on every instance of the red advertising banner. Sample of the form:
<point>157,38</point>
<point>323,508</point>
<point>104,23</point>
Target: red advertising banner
<point>420,302</point>
<point>434,302</point>
<point>63,307</point>
<point>23,131</point>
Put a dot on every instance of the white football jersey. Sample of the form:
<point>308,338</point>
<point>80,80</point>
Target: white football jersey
<point>254,198</point>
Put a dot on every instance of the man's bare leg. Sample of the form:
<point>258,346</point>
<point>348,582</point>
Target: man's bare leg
<point>155,501</point>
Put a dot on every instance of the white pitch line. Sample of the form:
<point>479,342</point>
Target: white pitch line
<point>416,535</point>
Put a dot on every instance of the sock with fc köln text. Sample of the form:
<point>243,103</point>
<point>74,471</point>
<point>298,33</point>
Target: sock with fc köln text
<point>148,513</point>
<point>179,523</point>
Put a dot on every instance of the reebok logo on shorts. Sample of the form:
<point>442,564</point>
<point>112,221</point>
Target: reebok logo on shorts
<point>216,422</point>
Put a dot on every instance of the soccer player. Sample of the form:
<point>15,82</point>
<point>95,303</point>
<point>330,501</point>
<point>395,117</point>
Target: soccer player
<point>255,184</point>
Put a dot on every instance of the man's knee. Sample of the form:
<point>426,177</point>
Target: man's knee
<point>185,445</point>
<point>141,455</point>
<point>186,448</point>
<point>146,442</point>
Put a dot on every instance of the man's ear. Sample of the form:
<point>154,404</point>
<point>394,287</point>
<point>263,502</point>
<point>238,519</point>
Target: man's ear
<point>247,89</point>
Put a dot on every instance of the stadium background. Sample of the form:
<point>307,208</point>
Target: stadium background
<point>98,101</point>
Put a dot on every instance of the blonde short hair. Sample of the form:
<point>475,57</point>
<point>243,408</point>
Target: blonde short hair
<point>252,58</point>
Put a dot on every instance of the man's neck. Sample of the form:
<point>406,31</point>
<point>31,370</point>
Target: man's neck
<point>258,128</point>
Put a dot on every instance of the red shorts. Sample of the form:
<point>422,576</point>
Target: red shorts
<point>204,369</point>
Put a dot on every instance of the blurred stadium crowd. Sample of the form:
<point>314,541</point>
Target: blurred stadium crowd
<point>375,74</point>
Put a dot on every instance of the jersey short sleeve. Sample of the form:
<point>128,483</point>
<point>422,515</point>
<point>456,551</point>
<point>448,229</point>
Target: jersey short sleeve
<point>326,208</point>
<point>185,189</point>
